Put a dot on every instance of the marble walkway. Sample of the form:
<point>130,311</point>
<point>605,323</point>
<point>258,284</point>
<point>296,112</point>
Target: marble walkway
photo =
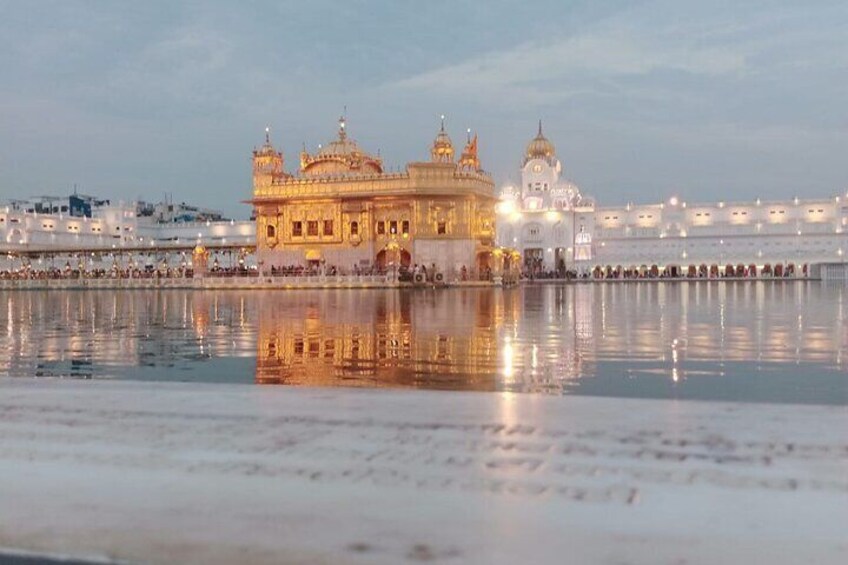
<point>178,473</point>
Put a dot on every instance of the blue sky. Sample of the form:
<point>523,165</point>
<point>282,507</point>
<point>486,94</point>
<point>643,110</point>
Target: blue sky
<point>643,99</point>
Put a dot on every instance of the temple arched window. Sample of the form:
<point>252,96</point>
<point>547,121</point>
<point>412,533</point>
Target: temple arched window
<point>270,231</point>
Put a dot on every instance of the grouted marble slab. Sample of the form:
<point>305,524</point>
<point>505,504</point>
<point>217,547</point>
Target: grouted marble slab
<point>168,473</point>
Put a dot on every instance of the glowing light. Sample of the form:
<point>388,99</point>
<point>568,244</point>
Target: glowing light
<point>506,207</point>
<point>552,215</point>
<point>508,359</point>
<point>673,201</point>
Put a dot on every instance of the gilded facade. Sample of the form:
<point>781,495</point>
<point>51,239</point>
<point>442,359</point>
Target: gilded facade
<point>342,210</point>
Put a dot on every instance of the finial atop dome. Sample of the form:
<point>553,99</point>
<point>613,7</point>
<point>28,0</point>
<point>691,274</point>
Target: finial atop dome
<point>268,135</point>
<point>540,129</point>
<point>342,123</point>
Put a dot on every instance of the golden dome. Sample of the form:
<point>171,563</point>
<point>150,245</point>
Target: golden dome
<point>340,156</point>
<point>442,151</point>
<point>267,148</point>
<point>540,147</point>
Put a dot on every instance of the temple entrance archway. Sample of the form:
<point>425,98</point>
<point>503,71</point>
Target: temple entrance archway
<point>393,255</point>
<point>484,265</point>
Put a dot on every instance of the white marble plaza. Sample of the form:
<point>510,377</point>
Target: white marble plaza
<point>177,473</point>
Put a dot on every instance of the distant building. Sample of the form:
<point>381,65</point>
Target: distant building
<point>168,212</point>
<point>555,227</point>
<point>342,209</point>
<point>81,223</point>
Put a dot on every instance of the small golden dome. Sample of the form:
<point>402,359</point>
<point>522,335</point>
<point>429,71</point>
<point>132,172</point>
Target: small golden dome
<point>540,147</point>
<point>442,151</point>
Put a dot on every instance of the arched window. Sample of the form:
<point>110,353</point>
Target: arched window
<point>270,231</point>
<point>354,228</point>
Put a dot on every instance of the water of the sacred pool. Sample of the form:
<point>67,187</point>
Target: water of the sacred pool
<point>743,341</point>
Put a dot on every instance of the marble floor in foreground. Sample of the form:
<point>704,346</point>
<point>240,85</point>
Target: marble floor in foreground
<point>168,473</point>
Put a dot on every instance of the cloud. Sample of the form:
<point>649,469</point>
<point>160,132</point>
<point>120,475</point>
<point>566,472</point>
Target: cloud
<point>557,69</point>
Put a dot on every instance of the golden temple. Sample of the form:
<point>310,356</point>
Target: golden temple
<point>342,211</point>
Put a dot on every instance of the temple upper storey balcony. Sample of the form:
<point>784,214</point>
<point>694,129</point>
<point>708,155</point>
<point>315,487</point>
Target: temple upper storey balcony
<point>419,178</point>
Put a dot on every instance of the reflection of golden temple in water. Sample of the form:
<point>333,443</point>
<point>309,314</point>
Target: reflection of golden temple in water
<point>540,338</point>
<point>535,338</point>
<point>385,339</point>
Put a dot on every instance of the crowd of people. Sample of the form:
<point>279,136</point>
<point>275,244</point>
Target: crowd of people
<point>702,271</point>
<point>315,270</point>
<point>417,273</point>
<point>55,273</point>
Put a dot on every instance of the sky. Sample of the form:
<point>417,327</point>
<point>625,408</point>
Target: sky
<point>716,100</point>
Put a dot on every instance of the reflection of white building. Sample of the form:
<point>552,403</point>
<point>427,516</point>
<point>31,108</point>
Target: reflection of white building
<point>554,227</point>
<point>545,218</point>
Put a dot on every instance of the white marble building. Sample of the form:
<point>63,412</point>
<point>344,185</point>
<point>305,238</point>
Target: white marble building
<point>113,226</point>
<point>554,227</point>
<point>546,217</point>
<point>112,229</point>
